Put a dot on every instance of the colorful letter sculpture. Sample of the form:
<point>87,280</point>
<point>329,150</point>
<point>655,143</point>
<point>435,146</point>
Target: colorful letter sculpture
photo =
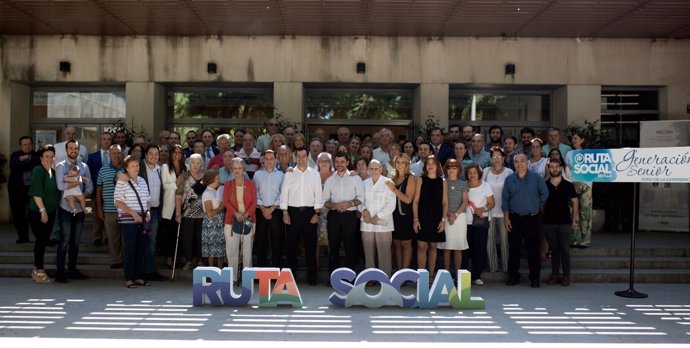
<point>350,289</point>
<point>276,287</point>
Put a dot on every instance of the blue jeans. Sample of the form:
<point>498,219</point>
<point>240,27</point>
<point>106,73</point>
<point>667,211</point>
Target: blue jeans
<point>70,236</point>
<point>150,264</point>
<point>136,244</point>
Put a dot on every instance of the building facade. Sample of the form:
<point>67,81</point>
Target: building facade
<point>157,82</point>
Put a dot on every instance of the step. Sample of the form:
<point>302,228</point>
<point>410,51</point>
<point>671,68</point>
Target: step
<point>83,247</point>
<point>27,258</point>
<point>617,262</point>
<point>625,251</point>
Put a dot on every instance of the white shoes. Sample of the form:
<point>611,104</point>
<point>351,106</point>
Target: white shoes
<point>478,282</point>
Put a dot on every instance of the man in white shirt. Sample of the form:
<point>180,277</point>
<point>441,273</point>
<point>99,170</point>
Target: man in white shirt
<point>342,193</point>
<point>315,148</point>
<point>269,224</point>
<point>151,172</point>
<point>69,133</point>
<point>385,139</point>
<point>121,139</point>
<point>301,201</point>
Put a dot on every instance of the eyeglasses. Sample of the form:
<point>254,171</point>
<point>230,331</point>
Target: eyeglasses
<point>272,124</point>
<point>452,167</point>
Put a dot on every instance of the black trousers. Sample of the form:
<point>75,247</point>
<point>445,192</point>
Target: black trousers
<point>269,233</point>
<point>343,228</point>
<point>301,227</point>
<point>19,204</point>
<point>525,229</point>
<point>42,233</point>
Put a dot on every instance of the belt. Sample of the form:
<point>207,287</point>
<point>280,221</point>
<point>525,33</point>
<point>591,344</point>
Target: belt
<point>300,208</point>
<point>524,215</point>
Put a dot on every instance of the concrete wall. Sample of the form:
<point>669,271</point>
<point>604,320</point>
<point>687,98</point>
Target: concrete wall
<point>144,63</point>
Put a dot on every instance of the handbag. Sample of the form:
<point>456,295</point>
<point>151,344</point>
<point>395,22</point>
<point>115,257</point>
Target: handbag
<point>145,225</point>
<point>242,227</point>
<point>480,222</point>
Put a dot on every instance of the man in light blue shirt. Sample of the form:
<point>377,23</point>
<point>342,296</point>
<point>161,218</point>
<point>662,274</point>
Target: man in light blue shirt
<point>417,168</point>
<point>71,222</point>
<point>555,142</point>
<point>342,193</point>
<point>225,172</point>
<point>269,224</point>
<point>477,153</point>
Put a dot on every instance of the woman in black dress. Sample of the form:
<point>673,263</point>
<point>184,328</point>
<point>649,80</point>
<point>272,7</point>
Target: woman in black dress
<point>403,186</point>
<point>430,209</point>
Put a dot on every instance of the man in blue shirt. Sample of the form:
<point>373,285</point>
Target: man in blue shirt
<point>269,217</point>
<point>524,195</point>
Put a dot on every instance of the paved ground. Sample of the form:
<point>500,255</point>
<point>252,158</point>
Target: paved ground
<point>83,311</point>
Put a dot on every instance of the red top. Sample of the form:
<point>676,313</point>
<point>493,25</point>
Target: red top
<point>230,199</point>
<point>216,160</point>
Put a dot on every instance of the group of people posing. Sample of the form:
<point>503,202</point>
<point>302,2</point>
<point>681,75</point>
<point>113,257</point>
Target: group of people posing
<point>254,202</point>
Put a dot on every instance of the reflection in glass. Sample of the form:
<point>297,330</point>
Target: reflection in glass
<point>350,105</point>
<point>75,104</point>
<point>499,107</point>
<point>216,104</point>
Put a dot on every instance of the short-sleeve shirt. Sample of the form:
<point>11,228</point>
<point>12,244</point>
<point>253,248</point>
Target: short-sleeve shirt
<point>455,190</point>
<point>107,177</point>
<point>557,207</point>
<point>477,195</point>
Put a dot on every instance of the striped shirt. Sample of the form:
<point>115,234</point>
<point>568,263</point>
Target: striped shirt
<point>124,193</point>
<point>106,180</point>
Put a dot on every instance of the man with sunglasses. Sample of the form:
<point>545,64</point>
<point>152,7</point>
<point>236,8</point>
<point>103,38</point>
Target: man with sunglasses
<point>272,128</point>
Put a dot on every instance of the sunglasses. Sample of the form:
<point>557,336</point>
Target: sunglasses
<point>452,167</point>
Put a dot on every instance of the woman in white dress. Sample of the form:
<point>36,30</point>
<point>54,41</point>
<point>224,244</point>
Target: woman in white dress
<point>456,229</point>
<point>377,219</point>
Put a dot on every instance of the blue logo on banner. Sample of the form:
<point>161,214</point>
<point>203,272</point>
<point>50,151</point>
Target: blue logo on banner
<point>593,165</point>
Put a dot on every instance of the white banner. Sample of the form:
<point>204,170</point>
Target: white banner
<point>654,164</point>
<point>664,206</point>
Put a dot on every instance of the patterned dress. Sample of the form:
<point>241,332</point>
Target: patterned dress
<point>212,237</point>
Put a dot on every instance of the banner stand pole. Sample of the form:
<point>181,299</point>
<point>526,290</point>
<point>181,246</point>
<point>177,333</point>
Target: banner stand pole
<point>631,292</point>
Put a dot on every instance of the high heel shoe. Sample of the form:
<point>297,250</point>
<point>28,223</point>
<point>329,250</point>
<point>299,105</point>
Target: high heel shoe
<point>40,277</point>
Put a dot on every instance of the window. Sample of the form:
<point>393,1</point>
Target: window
<point>622,109</point>
<point>220,103</point>
<point>47,104</point>
<point>91,109</point>
<point>354,104</point>
<point>499,106</point>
